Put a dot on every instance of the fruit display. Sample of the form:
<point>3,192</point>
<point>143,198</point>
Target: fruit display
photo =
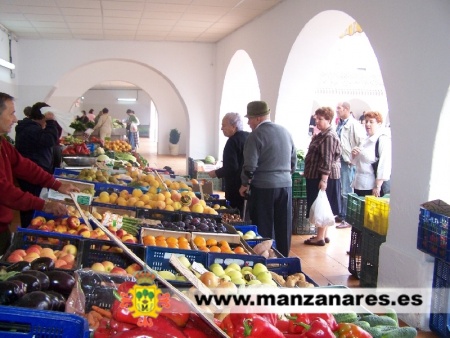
<point>216,244</point>
<point>230,218</point>
<point>97,175</point>
<point>191,224</point>
<point>70,140</point>
<point>180,242</point>
<point>296,280</point>
<point>76,149</point>
<point>110,267</point>
<point>117,145</point>
<point>240,276</point>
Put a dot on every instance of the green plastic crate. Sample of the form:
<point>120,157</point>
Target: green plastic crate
<point>370,252</point>
<point>354,254</point>
<point>298,185</point>
<point>300,224</point>
<point>355,210</point>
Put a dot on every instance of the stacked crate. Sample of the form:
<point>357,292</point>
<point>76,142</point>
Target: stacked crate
<point>433,239</point>
<point>300,225</point>
<point>355,217</point>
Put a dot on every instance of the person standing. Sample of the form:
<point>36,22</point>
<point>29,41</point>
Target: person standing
<point>350,134</point>
<point>104,125</point>
<point>270,154</point>
<point>233,159</point>
<point>132,129</point>
<point>91,115</point>
<point>322,170</point>
<point>15,166</point>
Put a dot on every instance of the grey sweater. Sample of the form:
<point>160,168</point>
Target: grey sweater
<point>270,153</point>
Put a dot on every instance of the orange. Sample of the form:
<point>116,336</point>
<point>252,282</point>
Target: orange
<point>160,238</point>
<point>173,245</point>
<point>211,242</point>
<point>172,240</point>
<point>214,248</point>
<point>182,239</point>
<point>203,248</point>
<point>199,241</point>
<point>149,240</point>
<point>184,246</point>
<point>226,250</point>
<point>224,243</point>
<point>239,250</point>
<point>162,244</point>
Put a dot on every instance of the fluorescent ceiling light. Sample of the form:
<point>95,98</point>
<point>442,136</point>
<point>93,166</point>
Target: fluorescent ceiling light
<point>7,64</point>
<point>126,100</point>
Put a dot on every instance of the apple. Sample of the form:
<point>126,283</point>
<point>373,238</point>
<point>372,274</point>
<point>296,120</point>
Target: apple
<point>120,233</point>
<point>218,271</point>
<point>31,257</point>
<point>183,260</point>
<point>20,252</point>
<point>234,274</point>
<point>254,282</point>
<point>103,237</point>
<point>167,275</point>
<point>128,239</point>
<point>108,265</point>
<point>70,248</point>
<point>258,268</point>
<point>99,267</point>
<point>73,222</point>
<point>61,228</point>
<point>194,200</point>
<point>14,258</point>
<point>132,268</point>
<point>181,278</point>
<point>81,228</point>
<point>264,277</point>
<point>238,281</point>
<point>118,270</point>
<point>59,263</point>
<point>224,278</point>
<point>234,266</point>
<point>33,248</point>
<point>246,268</point>
<point>68,258</point>
<point>85,234</point>
<point>209,279</point>
<point>93,234</point>
<point>176,196</point>
<point>38,221</point>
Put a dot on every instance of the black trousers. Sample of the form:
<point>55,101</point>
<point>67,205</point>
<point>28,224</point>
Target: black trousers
<point>271,211</point>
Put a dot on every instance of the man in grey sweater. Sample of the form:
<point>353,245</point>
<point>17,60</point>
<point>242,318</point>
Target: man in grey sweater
<point>270,155</point>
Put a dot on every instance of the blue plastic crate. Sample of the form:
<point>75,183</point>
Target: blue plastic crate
<point>162,215</point>
<point>287,266</point>
<point>99,187</point>
<point>242,260</point>
<point>158,259</point>
<point>253,242</point>
<point>439,314</point>
<point>29,323</point>
<point>66,172</point>
<point>433,233</point>
<point>246,228</point>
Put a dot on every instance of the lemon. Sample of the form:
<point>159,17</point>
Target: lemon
<point>137,193</point>
<point>104,197</point>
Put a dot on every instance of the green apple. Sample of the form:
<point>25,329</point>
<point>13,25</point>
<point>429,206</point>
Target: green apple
<point>218,271</point>
<point>184,261</point>
<point>250,233</point>
<point>228,269</point>
<point>247,268</point>
<point>248,276</point>
<point>258,268</point>
<point>225,278</point>
<point>264,277</point>
<point>234,266</point>
<point>238,281</point>
<point>181,278</point>
<point>213,265</point>
<point>234,274</point>
<point>248,237</point>
<point>166,274</point>
<point>254,282</point>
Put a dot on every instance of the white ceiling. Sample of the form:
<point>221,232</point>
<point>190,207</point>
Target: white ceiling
<point>135,20</point>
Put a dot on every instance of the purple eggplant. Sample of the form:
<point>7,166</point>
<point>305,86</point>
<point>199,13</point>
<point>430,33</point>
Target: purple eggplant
<point>57,299</point>
<point>61,282</point>
<point>22,287</point>
<point>19,266</point>
<point>32,282</point>
<point>43,278</point>
<point>43,264</point>
<point>35,300</point>
<point>9,292</point>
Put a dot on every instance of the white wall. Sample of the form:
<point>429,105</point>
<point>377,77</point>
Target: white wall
<point>410,39</point>
<point>8,78</point>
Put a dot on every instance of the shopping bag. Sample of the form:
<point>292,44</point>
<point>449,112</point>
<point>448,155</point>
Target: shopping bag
<point>320,213</point>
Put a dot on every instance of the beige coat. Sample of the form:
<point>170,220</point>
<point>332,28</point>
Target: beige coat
<point>104,125</point>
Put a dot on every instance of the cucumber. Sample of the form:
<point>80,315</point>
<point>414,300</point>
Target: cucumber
<point>392,314</point>
<point>374,332</point>
<point>346,317</point>
<point>401,332</point>
<point>362,324</point>
<point>375,320</point>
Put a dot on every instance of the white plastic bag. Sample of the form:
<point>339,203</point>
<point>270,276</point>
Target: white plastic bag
<point>320,213</point>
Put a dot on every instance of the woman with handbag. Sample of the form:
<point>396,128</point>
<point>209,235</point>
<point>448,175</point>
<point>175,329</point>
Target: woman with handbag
<point>322,170</point>
<point>372,158</point>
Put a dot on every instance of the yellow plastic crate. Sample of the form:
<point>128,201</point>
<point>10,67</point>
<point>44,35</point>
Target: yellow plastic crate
<point>376,214</point>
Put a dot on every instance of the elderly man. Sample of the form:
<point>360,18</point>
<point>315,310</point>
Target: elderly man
<point>269,160</point>
<point>233,159</point>
<point>13,165</point>
<point>350,134</point>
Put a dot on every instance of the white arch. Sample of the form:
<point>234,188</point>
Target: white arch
<point>171,107</point>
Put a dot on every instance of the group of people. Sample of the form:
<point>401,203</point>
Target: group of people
<point>340,160</point>
<point>344,160</point>
<point>30,163</point>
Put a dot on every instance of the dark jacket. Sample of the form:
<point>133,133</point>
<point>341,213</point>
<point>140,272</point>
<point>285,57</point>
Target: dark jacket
<point>36,143</point>
<point>233,159</point>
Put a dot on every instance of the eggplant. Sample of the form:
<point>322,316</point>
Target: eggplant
<point>9,292</point>
<point>32,282</point>
<point>58,300</point>
<point>19,266</point>
<point>43,278</point>
<point>43,264</point>
<point>61,282</point>
<point>22,287</point>
<point>35,300</point>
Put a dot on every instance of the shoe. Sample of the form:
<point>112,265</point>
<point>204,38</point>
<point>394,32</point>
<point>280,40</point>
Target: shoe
<point>327,239</point>
<point>343,225</point>
<point>318,243</point>
<point>338,219</point>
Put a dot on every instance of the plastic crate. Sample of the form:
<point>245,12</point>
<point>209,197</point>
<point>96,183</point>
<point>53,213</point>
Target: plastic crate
<point>355,210</point>
<point>433,234</point>
<point>287,266</point>
<point>300,224</point>
<point>158,259</point>
<point>370,251</point>
<point>242,260</point>
<point>376,214</point>
<point>29,323</point>
<point>216,182</point>
<point>161,215</point>
<point>94,250</point>
<point>439,314</point>
<point>24,238</point>
<point>298,185</point>
<point>70,173</point>
<point>113,206</point>
<point>117,188</point>
<point>354,256</point>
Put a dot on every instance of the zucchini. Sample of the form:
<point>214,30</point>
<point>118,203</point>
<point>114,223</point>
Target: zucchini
<point>350,317</point>
<point>401,332</point>
<point>375,320</point>
<point>362,324</point>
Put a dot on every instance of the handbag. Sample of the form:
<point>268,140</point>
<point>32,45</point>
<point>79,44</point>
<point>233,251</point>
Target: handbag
<point>320,213</point>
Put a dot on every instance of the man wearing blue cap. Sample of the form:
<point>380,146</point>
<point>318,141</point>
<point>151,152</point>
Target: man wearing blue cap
<point>270,158</point>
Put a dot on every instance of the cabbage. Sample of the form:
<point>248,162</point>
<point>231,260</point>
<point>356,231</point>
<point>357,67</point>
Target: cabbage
<point>100,151</point>
<point>210,159</point>
<point>103,158</point>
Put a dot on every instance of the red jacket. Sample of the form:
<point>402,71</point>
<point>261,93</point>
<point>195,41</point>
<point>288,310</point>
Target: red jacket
<point>13,165</point>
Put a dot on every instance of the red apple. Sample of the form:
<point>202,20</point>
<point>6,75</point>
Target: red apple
<point>85,234</point>
<point>44,227</point>
<point>14,258</point>
<point>33,248</point>
<point>194,200</point>
<point>68,258</point>
<point>73,222</point>
<point>37,221</point>
<point>128,238</point>
<point>70,248</point>
<point>61,228</point>
<point>118,270</point>
<point>20,252</point>
<point>59,263</point>
<point>31,257</point>
<point>108,265</point>
<point>120,233</point>
<point>132,268</point>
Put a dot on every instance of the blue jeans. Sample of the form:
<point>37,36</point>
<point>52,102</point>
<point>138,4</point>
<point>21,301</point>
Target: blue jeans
<point>347,176</point>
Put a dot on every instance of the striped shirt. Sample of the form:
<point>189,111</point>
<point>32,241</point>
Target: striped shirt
<point>324,156</point>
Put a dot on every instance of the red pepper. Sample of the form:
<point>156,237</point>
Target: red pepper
<point>227,326</point>
<point>122,314</point>
<point>258,327</point>
<point>142,332</point>
<point>296,319</point>
<point>328,317</point>
<point>190,332</point>
<point>283,325</point>
<point>178,311</point>
<point>349,330</point>
<point>272,318</point>
<point>318,329</point>
<point>104,330</point>
<point>120,326</point>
